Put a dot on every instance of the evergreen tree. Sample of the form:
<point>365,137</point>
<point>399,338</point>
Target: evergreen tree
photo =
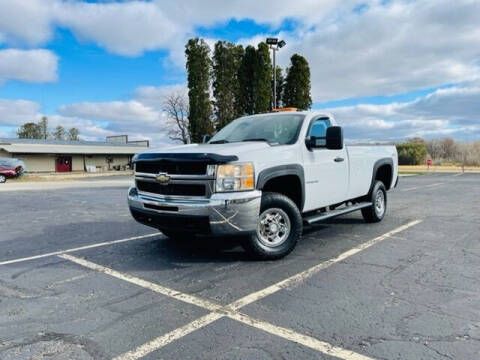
<point>280,84</point>
<point>29,131</point>
<point>59,133</point>
<point>246,99</point>
<point>227,58</point>
<point>262,75</point>
<point>297,84</point>
<point>198,68</point>
<point>43,123</point>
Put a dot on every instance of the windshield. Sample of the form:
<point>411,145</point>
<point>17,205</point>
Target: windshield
<point>278,129</point>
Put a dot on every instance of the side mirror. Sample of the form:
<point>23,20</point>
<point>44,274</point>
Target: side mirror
<point>313,142</point>
<point>206,138</point>
<point>334,139</point>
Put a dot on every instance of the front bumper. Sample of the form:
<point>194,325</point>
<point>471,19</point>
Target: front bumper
<point>222,214</point>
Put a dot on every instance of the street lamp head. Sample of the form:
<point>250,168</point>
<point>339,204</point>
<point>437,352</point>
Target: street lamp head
<point>272,41</point>
<point>281,44</point>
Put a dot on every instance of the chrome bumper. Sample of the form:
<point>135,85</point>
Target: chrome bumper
<point>223,213</point>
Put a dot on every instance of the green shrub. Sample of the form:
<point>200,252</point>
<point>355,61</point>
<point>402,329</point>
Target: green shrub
<point>411,153</point>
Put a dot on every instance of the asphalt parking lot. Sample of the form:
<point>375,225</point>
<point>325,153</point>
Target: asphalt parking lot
<point>79,279</point>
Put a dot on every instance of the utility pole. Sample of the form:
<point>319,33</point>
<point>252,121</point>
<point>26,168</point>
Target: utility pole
<point>275,45</point>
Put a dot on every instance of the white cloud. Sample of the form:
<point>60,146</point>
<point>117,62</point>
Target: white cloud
<point>14,113</point>
<point>387,48</point>
<point>445,112</point>
<point>119,111</point>
<point>132,27</point>
<point>28,65</point>
<point>28,22</point>
<point>154,95</point>
<point>142,117</point>
<point>124,28</point>
<point>218,11</point>
<point>17,112</point>
<point>392,48</point>
<point>133,117</point>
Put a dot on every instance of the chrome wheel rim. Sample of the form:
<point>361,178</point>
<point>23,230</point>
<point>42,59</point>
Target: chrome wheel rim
<point>380,203</point>
<point>274,227</point>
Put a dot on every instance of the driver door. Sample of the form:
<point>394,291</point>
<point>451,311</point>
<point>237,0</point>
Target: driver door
<point>326,171</point>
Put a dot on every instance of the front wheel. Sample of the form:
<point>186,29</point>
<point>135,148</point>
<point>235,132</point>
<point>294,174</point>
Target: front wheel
<point>378,198</point>
<point>3,179</point>
<point>279,228</point>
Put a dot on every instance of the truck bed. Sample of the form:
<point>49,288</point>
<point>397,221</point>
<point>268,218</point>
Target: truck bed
<point>362,159</point>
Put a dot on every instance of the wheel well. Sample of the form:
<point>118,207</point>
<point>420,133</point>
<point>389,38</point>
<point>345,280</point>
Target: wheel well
<point>384,174</point>
<point>288,185</point>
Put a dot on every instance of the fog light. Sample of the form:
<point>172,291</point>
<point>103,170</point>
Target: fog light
<point>133,192</point>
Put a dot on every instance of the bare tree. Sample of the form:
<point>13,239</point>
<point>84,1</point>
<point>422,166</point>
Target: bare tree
<point>175,105</point>
<point>447,146</point>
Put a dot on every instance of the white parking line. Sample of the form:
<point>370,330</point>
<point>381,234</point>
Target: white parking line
<point>459,174</point>
<point>217,312</point>
<point>231,310</point>
<point>78,249</point>
<point>423,186</point>
<point>308,341</point>
<point>163,340</point>
<point>144,283</point>
<point>313,270</point>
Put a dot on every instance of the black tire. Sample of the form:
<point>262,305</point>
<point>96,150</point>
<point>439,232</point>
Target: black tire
<point>3,179</point>
<point>376,212</point>
<point>280,206</point>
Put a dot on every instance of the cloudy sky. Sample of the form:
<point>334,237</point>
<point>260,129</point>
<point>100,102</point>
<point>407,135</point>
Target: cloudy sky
<point>388,70</point>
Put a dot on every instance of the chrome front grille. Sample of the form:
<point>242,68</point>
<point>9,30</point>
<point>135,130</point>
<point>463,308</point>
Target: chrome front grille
<point>172,168</point>
<point>184,179</point>
<point>176,189</point>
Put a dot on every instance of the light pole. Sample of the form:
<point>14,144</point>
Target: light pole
<point>275,45</point>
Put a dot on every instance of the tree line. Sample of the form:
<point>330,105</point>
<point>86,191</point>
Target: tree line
<point>233,81</point>
<point>442,151</point>
<point>39,130</point>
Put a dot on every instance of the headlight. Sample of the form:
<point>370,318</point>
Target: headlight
<point>235,177</point>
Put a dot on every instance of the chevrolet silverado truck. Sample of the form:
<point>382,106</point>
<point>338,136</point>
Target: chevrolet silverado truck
<point>262,177</point>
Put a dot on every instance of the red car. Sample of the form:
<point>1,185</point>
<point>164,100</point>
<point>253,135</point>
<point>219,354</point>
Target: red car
<point>10,168</point>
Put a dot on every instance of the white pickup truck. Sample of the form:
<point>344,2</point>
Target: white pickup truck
<point>262,177</point>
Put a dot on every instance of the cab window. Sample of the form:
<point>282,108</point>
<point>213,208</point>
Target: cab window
<point>319,128</point>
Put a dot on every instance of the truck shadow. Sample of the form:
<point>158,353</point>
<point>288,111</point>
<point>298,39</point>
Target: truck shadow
<point>321,226</point>
<point>203,249</point>
<point>152,253</point>
<point>225,249</point>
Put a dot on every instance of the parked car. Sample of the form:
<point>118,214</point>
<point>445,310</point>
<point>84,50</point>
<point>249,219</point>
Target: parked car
<point>10,168</point>
<point>262,177</point>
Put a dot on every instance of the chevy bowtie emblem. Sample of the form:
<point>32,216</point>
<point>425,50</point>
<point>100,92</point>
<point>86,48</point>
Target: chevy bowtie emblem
<point>163,178</point>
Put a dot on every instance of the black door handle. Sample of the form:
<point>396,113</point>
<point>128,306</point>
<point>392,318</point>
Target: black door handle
<point>338,159</point>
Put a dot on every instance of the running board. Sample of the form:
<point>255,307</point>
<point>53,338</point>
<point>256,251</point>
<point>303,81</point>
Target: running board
<point>332,213</point>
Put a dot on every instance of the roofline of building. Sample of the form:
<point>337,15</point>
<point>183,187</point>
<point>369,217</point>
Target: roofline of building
<point>14,141</point>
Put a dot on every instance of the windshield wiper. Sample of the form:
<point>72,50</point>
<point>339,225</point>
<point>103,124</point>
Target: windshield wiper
<point>257,139</point>
<point>223,141</point>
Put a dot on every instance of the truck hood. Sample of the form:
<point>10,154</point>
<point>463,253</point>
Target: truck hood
<point>239,149</point>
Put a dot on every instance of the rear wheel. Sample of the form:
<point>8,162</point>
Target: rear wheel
<point>3,178</point>
<point>279,228</point>
<point>378,198</point>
